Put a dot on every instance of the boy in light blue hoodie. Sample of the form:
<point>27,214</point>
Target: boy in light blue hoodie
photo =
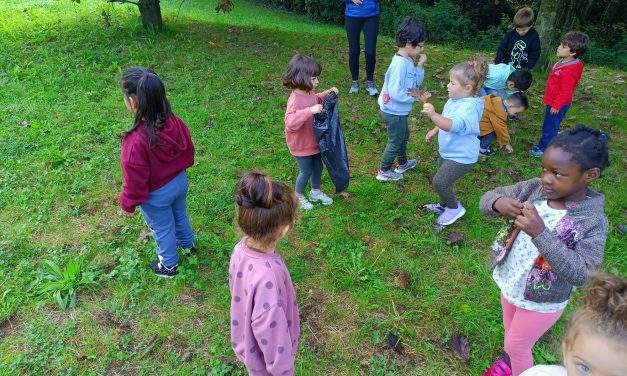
<point>398,94</point>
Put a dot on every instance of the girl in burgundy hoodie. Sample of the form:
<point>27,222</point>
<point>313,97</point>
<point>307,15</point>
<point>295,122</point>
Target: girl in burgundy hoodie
<point>156,151</point>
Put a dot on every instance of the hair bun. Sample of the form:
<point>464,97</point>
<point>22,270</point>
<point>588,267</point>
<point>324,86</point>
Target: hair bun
<point>255,190</point>
<point>606,294</point>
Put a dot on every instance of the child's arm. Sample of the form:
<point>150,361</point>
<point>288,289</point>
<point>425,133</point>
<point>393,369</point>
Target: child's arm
<point>135,177</point>
<point>397,87</point>
<point>324,94</point>
<point>502,50</point>
<point>533,51</point>
<point>440,121</point>
<point>507,200</point>
<point>271,331</point>
<point>431,134</point>
<point>574,265</point>
<point>499,125</point>
<point>295,118</point>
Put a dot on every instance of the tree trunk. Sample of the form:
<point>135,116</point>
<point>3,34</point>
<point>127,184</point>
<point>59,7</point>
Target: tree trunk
<point>150,11</point>
<point>546,25</point>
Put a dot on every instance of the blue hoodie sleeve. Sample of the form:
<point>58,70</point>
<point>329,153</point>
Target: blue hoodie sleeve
<point>465,119</point>
<point>398,85</point>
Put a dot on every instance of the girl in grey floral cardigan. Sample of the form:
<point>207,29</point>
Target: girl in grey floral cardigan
<point>555,240</point>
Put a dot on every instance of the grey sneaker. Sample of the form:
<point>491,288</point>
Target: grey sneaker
<point>371,89</point>
<point>411,163</point>
<point>388,175</point>
<point>320,196</point>
<point>354,88</point>
<point>304,203</point>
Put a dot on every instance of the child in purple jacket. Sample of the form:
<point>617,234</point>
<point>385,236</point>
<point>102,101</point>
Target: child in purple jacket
<point>264,313</point>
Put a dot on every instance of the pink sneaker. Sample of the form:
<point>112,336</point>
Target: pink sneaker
<point>500,368</point>
<point>449,216</point>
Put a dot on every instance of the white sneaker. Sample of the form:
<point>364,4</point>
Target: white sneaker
<point>320,196</point>
<point>304,203</point>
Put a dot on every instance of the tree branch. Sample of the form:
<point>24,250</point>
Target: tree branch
<point>123,1</point>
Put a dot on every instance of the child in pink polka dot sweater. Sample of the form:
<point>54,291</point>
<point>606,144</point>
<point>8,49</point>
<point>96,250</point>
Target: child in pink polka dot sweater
<point>264,313</point>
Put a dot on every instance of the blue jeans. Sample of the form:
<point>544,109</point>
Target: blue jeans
<point>486,140</point>
<point>310,167</point>
<point>165,214</point>
<point>551,126</point>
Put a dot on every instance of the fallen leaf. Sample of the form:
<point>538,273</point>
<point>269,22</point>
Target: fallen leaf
<point>455,237</point>
<point>461,347</point>
<point>143,235</point>
<point>401,279</point>
<point>393,343</point>
<point>187,357</point>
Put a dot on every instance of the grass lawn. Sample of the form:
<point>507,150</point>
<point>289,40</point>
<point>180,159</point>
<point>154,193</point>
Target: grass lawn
<point>367,266</point>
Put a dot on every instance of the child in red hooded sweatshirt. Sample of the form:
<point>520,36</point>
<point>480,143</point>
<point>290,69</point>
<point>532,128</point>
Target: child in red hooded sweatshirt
<point>156,151</point>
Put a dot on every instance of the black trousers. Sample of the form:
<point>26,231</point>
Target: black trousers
<point>354,26</point>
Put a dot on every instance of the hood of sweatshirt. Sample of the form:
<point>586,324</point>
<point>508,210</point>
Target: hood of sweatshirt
<point>173,140</point>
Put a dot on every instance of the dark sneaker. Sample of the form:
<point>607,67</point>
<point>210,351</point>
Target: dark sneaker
<point>536,152</point>
<point>489,152</point>
<point>161,271</point>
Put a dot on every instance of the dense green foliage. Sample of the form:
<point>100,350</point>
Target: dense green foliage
<point>367,266</point>
<point>481,25</point>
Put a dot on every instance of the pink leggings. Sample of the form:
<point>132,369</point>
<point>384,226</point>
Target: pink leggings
<point>522,329</point>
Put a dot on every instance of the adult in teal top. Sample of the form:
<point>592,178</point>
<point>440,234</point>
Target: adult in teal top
<point>362,15</point>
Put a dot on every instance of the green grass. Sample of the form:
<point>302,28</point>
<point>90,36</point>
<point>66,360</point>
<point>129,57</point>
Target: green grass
<point>60,175</point>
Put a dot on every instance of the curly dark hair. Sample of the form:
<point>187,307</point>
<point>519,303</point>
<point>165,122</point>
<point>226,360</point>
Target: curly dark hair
<point>411,30</point>
<point>587,145</point>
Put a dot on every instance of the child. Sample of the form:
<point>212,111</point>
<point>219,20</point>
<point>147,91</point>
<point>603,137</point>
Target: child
<point>595,341</point>
<point>302,77</point>
<point>560,86</point>
<point>558,240</point>
<point>396,101</point>
<point>493,122</point>
<point>521,46</point>
<point>156,151</point>
<point>458,130</point>
<point>503,80</point>
<point>264,313</point>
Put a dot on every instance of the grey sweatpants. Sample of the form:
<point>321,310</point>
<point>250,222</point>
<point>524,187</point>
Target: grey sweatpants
<point>448,172</point>
<point>398,135</point>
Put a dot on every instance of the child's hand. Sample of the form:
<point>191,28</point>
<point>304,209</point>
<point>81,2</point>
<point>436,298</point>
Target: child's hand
<point>530,221</point>
<point>357,2</point>
<point>128,214</point>
<point>422,60</point>
<point>334,89</point>
<point>431,134</point>
<point>509,207</point>
<point>508,148</point>
<point>424,97</point>
<point>316,109</point>
<point>554,111</point>
<point>428,109</point>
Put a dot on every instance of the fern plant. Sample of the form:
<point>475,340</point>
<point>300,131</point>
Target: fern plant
<point>62,284</point>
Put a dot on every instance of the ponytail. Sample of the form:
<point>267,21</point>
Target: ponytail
<point>473,72</point>
<point>153,107</point>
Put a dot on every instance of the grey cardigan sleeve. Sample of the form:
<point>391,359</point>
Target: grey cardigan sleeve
<point>521,191</point>
<point>574,265</point>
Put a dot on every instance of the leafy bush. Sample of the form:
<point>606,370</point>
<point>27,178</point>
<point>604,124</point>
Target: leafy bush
<point>63,284</point>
